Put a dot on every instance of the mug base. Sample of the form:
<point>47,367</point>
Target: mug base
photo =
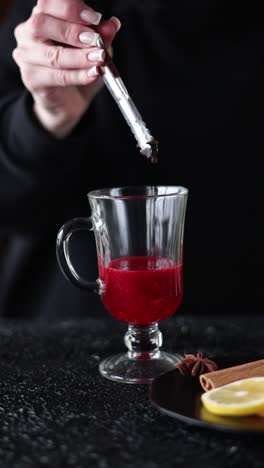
<point>137,370</point>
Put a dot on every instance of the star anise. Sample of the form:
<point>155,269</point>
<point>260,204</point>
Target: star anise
<point>196,365</point>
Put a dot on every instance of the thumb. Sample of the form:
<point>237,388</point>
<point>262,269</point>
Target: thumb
<point>108,30</point>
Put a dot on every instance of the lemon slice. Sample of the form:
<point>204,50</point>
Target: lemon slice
<point>239,398</point>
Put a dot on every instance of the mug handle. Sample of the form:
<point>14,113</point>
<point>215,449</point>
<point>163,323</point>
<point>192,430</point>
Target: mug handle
<point>63,252</point>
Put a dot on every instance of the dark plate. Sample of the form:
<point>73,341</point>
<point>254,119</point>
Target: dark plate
<point>179,396</point>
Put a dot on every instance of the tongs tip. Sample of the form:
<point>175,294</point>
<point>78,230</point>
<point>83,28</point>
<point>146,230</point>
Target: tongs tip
<point>151,151</point>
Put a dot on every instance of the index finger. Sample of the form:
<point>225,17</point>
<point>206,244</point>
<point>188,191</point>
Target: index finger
<point>74,11</point>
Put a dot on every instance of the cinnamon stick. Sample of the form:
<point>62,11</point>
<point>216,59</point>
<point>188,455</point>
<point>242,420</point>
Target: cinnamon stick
<point>221,377</point>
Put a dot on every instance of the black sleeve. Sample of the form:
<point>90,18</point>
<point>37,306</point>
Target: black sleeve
<point>37,172</point>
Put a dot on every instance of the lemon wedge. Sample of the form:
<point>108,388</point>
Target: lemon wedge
<point>240,398</point>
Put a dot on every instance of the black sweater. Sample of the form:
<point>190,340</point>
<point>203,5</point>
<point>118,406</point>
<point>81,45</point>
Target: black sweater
<point>195,71</point>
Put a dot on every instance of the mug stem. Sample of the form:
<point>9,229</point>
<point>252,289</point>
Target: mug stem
<point>143,342</point>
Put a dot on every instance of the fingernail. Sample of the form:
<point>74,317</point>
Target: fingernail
<point>90,16</point>
<point>89,38</point>
<point>93,72</point>
<point>117,22</point>
<point>96,55</point>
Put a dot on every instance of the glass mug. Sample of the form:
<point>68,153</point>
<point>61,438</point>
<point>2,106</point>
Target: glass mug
<point>139,241</point>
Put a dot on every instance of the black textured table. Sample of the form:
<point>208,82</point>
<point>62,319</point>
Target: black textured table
<point>57,411</point>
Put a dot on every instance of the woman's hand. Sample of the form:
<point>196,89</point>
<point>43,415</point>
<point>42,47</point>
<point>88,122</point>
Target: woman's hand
<point>58,60</point>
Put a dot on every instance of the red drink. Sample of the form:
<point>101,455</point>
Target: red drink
<point>142,290</point>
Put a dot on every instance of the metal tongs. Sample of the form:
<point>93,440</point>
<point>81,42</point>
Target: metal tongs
<point>147,144</point>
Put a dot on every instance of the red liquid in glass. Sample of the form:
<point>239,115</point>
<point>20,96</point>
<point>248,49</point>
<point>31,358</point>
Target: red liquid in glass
<point>142,290</point>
